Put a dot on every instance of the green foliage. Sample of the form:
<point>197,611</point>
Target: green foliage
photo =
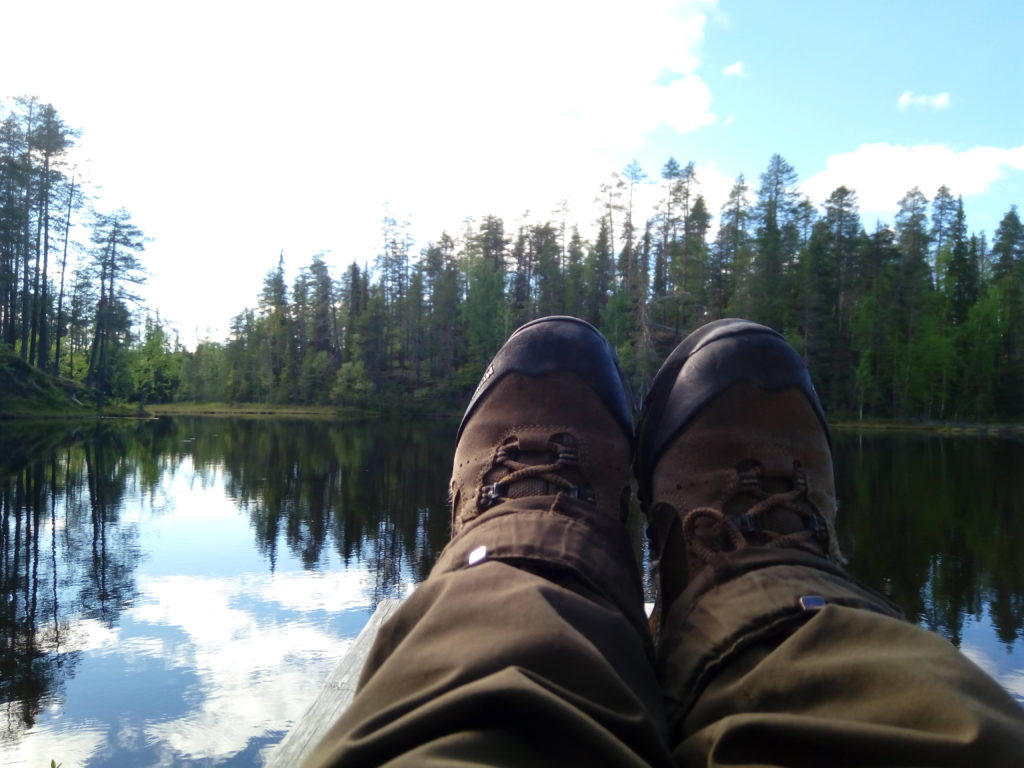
<point>155,369</point>
<point>883,335</point>
<point>25,389</point>
<point>351,384</point>
<point>918,321</point>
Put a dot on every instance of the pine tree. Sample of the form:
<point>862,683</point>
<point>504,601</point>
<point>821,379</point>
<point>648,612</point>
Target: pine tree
<point>668,218</point>
<point>777,237</point>
<point>51,140</point>
<point>732,270</point>
<point>627,266</point>
<point>274,314</point>
<point>944,207</point>
<point>521,294</point>
<point>393,268</point>
<point>14,178</point>
<point>485,294</point>
<point>73,203</point>
<point>818,289</point>
<point>415,314</point>
<point>549,282</point>
<point>156,375</point>
<point>611,200</point>
<point>597,275</point>
<point>961,270</point>
<point>874,326</point>
<point>1008,290</point>
<point>574,286</point>
<point>842,221</point>
<point>116,243</point>
<point>442,281</point>
<point>694,262</point>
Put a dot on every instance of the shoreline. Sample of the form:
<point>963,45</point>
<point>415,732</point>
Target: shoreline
<point>417,411</point>
<point>939,427</point>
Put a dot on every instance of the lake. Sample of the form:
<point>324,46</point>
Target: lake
<point>176,590</point>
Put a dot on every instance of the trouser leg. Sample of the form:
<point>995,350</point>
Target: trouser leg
<point>537,654</point>
<point>756,678</point>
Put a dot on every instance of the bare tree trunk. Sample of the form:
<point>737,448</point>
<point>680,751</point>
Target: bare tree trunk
<point>38,346</point>
<point>10,330</point>
<point>26,306</point>
<point>26,309</point>
<point>63,267</point>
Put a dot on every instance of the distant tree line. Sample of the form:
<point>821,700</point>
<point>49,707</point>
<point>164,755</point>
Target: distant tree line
<point>922,319</point>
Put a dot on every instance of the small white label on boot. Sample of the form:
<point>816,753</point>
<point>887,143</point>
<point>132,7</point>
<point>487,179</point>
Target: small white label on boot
<point>477,555</point>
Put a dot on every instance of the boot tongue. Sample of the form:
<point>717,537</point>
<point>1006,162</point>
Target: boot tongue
<point>532,486</point>
<point>536,447</point>
<point>531,441</point>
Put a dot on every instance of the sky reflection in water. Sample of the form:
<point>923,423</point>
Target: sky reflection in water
<point>210,573</point>
<point>213,655</point>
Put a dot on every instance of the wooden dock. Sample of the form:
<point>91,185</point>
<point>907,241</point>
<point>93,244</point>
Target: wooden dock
<point>334,697</point>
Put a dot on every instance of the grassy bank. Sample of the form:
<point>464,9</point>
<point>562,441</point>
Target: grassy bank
<point>408,408</point>
<point>27,394</point>
<point>25,391</point>
<point>940,427</point>
<point>260,410</point>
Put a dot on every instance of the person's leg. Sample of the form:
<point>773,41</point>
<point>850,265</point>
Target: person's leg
<point>528,643</point>
<point>770,653</point>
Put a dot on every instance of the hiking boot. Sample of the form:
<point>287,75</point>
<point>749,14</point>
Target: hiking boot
<point>732,453</point>
<point>550,418</point>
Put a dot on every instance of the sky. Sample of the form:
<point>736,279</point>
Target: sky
<point>235,131</point>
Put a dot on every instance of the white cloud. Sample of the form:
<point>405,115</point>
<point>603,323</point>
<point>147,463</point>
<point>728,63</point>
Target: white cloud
<point>42,744</point>
<point>909,99</point>
<point>715,186</point>
<point>256,676</point>
<point>736,69</point>
<point>1012,680</point>
<point>684,105</point>
<point>882,173</point>
<point>290,127</point>
<point>308,591</point>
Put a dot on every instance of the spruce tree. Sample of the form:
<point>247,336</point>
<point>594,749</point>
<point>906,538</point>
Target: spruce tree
<point>961,270</point>
<point>777,236</point>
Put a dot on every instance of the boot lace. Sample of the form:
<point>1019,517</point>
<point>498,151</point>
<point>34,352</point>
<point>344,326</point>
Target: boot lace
<point>521,473</point>
<point>709,532</point>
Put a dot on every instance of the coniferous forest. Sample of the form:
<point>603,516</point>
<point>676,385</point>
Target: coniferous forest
<point>917,319</point>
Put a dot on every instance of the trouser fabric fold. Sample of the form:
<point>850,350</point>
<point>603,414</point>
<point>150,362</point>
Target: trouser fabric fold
<point>527,645</point>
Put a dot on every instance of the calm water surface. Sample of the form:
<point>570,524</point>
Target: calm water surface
<point>175,591</point>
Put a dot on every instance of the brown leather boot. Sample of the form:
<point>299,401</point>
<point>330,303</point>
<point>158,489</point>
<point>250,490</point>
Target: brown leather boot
<point>551,416</point>
<point>732,453</point>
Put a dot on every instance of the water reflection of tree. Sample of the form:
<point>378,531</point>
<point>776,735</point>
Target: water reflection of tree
<point>374,491</point>
<point>935,523</point>
<point>63,555</point>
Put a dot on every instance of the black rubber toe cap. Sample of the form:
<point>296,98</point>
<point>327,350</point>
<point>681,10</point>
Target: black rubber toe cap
<point>705,364</point>
<point>560,343</point>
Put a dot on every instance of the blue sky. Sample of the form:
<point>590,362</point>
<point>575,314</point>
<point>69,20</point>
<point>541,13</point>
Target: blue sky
<point>235,130</point>
<point>824,79</point>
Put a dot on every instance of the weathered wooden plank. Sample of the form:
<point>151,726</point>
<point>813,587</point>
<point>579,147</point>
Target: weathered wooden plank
<point>334,696</point>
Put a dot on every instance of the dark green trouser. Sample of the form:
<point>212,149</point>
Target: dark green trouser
<point>537,653</point>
